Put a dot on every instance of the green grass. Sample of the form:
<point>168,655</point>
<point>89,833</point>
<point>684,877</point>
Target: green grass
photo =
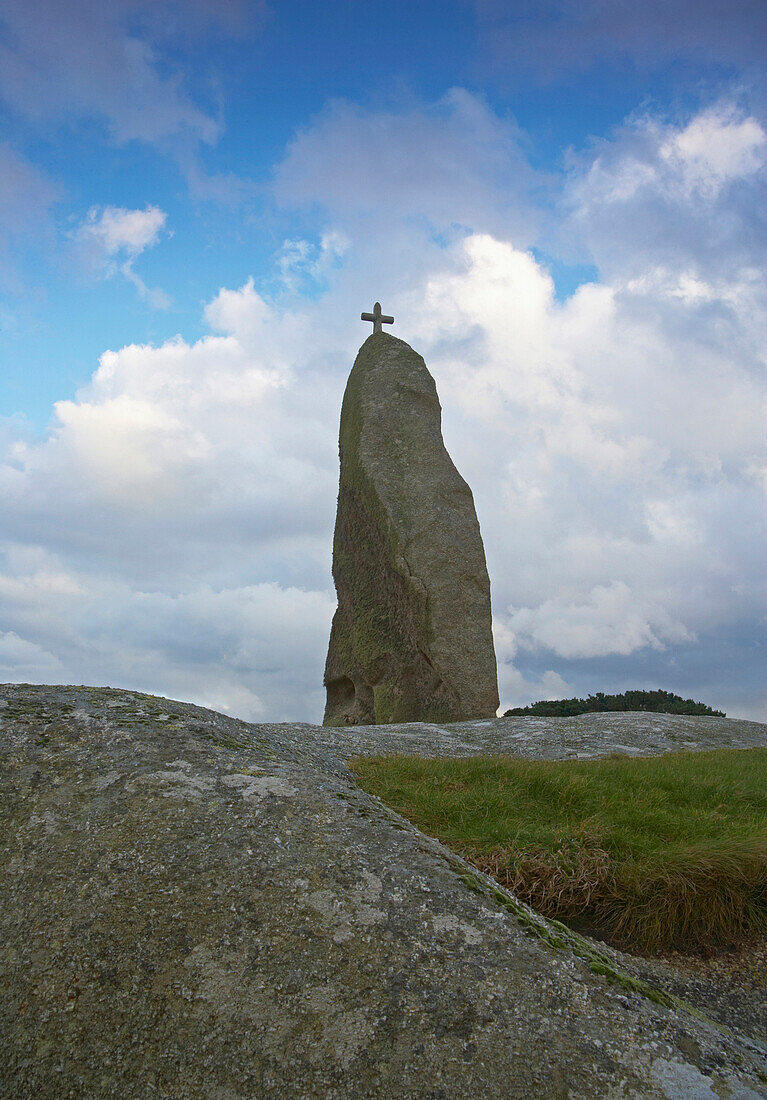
<point>653,853</point>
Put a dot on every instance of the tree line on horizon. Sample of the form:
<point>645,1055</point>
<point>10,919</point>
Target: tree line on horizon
<point>662,702</point>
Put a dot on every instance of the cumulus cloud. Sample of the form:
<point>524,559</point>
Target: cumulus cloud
<point>512,683</point>
<point>111,238</point>
<point>717,146</point>
<point>303,262</point>
<point>190,431</point>
<point>24,660</point>
<point>174,530</point>
<point>611,454</point>
<point>250,650</point>
<point>113,229</point>
<point>610,621</point>
<point>688,197</point>
<point>184,469</point>
<point>454,163</point>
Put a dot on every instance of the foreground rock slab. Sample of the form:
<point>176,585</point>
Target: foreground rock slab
<point>198,907</point>
<point>412,636</point>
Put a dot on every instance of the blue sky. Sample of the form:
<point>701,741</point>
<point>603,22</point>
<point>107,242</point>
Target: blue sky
<point>563,205</point>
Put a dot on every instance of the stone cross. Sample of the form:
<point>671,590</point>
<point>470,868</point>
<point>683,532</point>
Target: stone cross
<point>377,318</point>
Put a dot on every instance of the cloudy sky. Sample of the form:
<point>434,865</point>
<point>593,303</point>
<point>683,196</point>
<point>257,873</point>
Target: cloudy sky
<point>562,203</point>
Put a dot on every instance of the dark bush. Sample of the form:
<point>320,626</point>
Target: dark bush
<point>664,702</point>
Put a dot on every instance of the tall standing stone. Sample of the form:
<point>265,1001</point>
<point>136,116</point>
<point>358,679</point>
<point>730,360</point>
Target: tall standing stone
<point>411,639</point>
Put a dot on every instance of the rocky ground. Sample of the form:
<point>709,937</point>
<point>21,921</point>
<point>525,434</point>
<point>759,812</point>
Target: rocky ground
<point>198,907</point>
<point>730,986</point>
<point>580,737</point>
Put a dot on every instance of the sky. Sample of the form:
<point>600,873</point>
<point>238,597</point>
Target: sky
<point>562,202</point>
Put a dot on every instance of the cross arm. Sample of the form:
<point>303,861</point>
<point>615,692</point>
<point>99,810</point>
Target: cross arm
<point>377,318</point>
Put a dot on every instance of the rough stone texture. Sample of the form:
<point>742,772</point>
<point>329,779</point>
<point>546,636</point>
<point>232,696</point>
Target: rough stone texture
<point>635,733</point>
<point>193,907</point>
<point>411,639</point>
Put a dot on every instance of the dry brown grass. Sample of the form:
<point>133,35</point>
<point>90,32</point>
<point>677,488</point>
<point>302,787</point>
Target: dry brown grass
<point>707,900</point>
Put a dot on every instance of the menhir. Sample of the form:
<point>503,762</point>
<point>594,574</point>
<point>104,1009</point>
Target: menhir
<point>411,639</point>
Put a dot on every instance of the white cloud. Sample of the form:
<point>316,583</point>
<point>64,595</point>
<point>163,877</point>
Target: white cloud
<point>111,238</point>
<point>189,491</point>
<point>519,691</point>
<point>112,229</point>
<point>243,313</point>
<point>717,146</point>
<point>252,651</point>
<point>512,684</point>
<point>610,621</point>
<point>683,196</point>
<point>452,164</point>
<point>301,260</point>
<point>608,447</point>
<point>126,449</point>
<point>185,498</point>
<point>21,659</point>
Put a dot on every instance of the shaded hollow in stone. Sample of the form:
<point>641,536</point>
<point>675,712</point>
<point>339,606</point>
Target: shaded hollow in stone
<point>411,639</point>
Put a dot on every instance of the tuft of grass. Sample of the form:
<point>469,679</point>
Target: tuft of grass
<point>652,853</point>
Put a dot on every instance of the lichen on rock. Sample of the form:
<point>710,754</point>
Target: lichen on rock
<point>196,907</point>
<point>412,638</point>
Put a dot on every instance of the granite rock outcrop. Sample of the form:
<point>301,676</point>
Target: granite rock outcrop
<point>197,907</point>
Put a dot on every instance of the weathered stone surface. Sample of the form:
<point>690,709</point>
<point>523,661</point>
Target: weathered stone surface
<point>634,733</point>
<point>195,907</point>
<point>411,639</point>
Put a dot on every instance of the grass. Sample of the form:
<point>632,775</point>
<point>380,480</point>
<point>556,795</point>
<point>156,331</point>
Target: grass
<point>652,853</point>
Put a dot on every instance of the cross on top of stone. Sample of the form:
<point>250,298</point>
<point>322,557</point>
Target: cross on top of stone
<point>377,318</point>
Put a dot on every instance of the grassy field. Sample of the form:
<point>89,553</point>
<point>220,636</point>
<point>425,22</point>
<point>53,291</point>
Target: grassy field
<point>653,853</point>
